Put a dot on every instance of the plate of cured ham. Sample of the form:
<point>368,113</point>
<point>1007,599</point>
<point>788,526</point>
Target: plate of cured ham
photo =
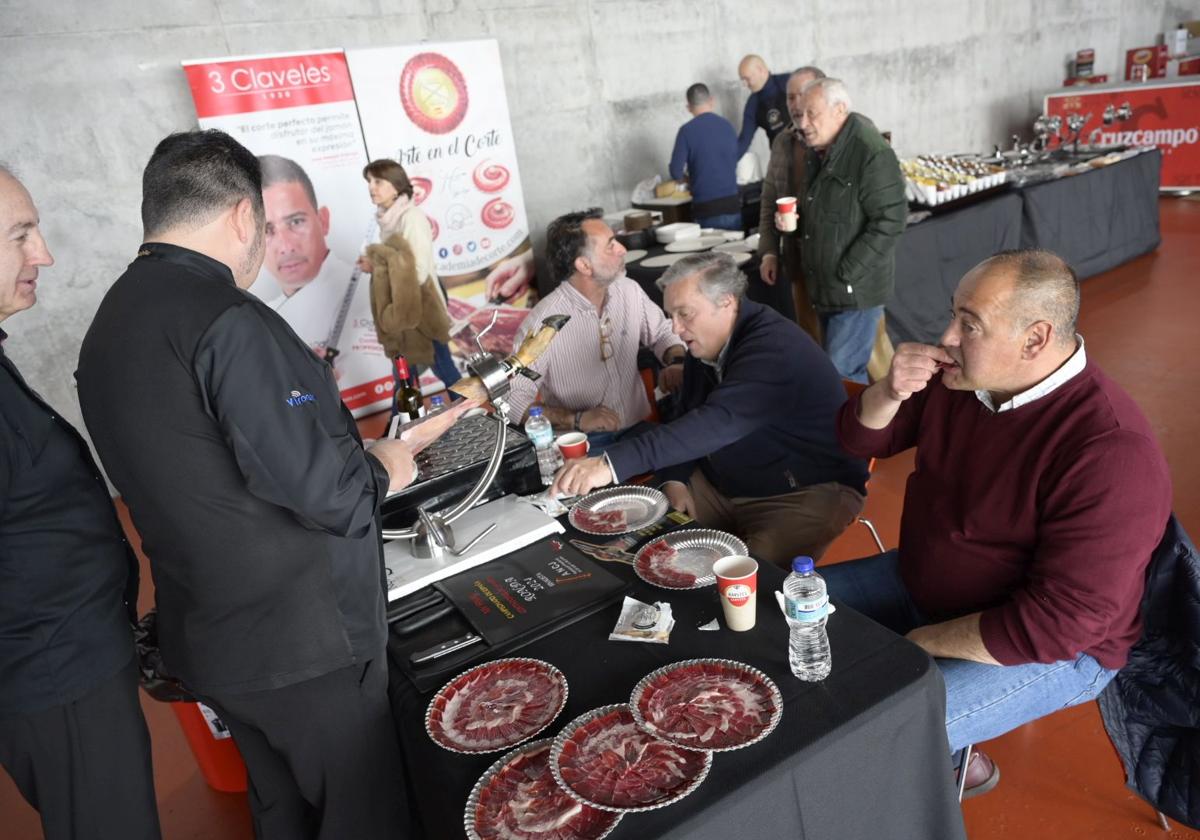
<point>618,510</point>
<point>517,797</point>
<point>604,759</point>
<point>496,705</point>
<point>684,559</point>
<point>707,704</point>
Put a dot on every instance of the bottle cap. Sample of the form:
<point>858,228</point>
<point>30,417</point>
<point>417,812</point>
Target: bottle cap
<point>802,565</point>
<point>536,411</point>
<point>402,366</point>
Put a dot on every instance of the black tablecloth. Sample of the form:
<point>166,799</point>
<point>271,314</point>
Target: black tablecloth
<point>862,754</point>
<point>1096,221</point>
<point>933,255</point>
<point>1099,219</point>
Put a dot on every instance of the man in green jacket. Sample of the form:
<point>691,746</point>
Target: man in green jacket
<point>851,213</point>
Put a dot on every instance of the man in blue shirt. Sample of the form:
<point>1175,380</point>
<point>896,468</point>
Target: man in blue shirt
<point>706,146</point>
<point>767,106</point>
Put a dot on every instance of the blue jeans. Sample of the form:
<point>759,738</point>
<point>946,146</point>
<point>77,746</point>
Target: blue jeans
<point>982,701</point>
<point>600,441</point>
<point>849,338</point>
<point>443,364</point>
<point>727,221</point>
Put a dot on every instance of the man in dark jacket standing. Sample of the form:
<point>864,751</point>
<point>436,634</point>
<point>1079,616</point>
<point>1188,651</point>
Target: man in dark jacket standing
<point>852,211</point>
<point>766,107</point>
<point>255,500</point>
<point>755,450</point>
<point>72,735</point>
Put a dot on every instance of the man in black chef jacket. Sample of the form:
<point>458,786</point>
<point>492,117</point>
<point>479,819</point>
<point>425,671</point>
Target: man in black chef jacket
<point>72,735</point>
<point>256,502</point>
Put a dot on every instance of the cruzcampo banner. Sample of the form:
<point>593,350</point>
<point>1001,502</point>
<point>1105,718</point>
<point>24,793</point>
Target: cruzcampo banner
<point>440,110</point>
<point>296,112</point>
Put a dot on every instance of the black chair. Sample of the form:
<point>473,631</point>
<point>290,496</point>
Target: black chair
<point>1147,708</point>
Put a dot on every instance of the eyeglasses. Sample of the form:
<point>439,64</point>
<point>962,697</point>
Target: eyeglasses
<point>606,348</point>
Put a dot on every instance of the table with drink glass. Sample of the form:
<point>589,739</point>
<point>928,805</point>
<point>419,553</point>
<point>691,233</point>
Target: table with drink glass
<point>861,754</point>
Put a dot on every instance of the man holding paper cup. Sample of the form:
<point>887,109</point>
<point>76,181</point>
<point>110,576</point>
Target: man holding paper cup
<point>851,211</point>
<point>754,451</point>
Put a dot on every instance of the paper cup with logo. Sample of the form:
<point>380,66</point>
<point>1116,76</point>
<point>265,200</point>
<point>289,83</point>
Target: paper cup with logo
<point>572,445</point>
<point>737,582</point>
<point>786,209</point>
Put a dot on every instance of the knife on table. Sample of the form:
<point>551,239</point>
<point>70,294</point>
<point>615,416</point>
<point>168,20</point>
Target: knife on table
<point>446,648</point>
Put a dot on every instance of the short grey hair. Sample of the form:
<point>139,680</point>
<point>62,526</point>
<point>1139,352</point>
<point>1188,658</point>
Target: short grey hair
<point>717,272</point>
<point>834,91</point>
<point>1045,288</point>
<point>809,70</point>
<point>5,169</point>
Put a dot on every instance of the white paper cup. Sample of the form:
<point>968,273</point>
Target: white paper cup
<point>737,582</point>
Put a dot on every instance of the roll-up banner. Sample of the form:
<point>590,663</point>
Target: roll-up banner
<point>296,112</point>
<point>441,111</point>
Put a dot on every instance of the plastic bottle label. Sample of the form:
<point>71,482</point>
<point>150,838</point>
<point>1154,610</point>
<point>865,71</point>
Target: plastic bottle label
<point>811,610</point>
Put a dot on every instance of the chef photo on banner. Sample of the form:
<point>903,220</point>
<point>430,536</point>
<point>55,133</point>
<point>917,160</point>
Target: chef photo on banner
<point>324,299</point>
<point>296,112</point>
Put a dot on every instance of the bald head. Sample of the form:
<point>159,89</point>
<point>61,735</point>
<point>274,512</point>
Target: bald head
<point>1044,288</point>
<point>22,249</point>
<point>753,72</point>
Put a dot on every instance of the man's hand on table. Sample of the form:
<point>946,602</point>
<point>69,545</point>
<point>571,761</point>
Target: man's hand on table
<point>913,367</point>
<point>581,475</point>
<point>768,269</point>
<point>679,495</point>
<point>599,419</point>
<point>670,378</point>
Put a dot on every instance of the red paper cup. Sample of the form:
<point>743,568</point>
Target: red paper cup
<point>737,581</point>
<point>572,445</point>
<point>787,204</point>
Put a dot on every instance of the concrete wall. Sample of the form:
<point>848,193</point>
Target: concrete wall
<point>595,89</point>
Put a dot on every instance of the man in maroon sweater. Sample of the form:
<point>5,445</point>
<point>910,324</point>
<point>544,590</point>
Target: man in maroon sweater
<point>1038,496</point>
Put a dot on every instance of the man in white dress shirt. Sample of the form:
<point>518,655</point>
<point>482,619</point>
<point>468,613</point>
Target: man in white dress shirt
<point>590,380</point>
<point>313,281</point>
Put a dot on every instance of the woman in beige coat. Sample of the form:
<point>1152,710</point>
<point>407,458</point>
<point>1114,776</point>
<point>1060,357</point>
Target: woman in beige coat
<point>407,300</point>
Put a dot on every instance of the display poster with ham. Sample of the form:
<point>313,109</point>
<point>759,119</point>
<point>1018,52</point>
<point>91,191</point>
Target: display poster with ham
<point>440,110</point>
<point>1164,114</point>
<point>296,111</point>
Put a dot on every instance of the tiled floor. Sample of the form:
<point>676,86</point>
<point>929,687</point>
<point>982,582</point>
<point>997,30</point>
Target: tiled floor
<point>1059,776</point>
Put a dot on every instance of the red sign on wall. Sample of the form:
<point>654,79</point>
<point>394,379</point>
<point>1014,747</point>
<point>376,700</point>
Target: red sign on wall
<point>241,85</point>
<point>1164,115</point>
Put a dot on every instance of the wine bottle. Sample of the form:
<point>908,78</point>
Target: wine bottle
<point>408,396</point>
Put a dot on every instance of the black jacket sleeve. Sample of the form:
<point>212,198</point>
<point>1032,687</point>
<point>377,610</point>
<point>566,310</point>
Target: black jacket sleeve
<point>279,408</point>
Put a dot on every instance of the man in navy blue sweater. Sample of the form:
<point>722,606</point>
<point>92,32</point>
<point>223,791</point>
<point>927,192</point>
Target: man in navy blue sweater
<point>767,106</point>
<point>706,147</point>
<point>755,450</point>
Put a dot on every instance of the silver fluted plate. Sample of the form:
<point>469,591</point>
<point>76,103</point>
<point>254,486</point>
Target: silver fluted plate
<point>642,506</point>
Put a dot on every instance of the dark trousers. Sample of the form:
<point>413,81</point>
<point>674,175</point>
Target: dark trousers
<point>85,766</point>
<point>322,756</point>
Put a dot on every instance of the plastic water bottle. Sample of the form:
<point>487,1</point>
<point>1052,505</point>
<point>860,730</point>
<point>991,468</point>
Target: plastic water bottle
<point>436,403</point>
<point>541,435</point>
<point>807,604</point>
